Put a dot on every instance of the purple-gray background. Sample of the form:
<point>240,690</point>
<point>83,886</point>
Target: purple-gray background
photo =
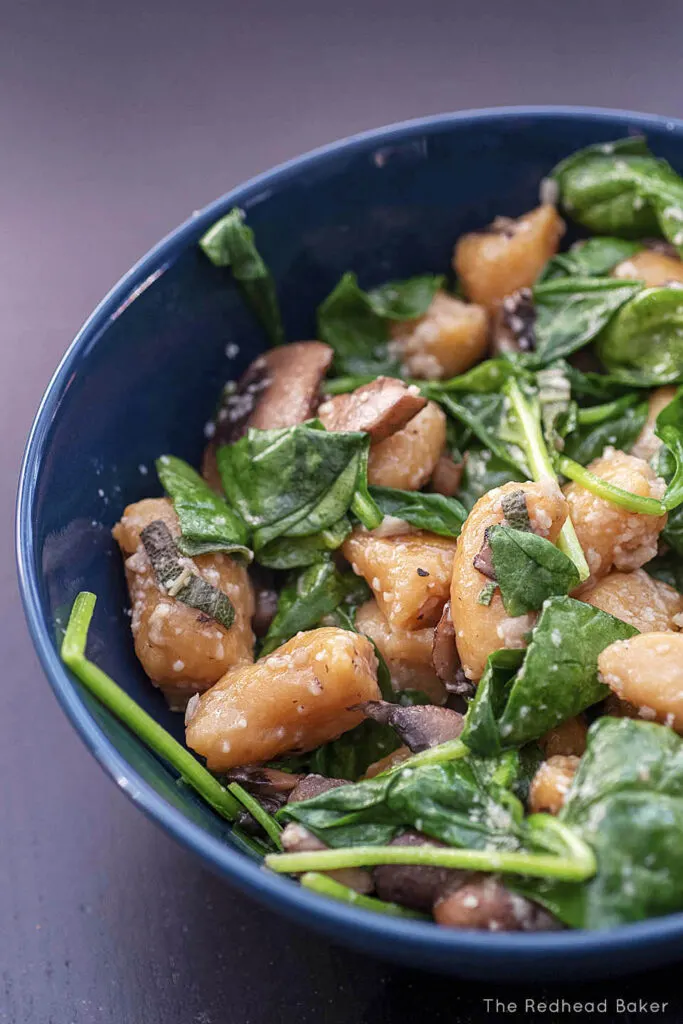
<point>116,121</point>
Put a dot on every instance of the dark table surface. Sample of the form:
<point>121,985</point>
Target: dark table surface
<point>116,121</point>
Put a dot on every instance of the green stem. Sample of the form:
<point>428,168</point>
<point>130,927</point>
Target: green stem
<point>365,509</point>
<point>599,413</point>
<point>342,385</point>
<point>132,715</point>
<point>536,865</point>
<point>267,822</point>
<point>327,886</point>
<point>451,750</point>
<point>546,830</point>
<point>603,489</point>
<point>542,468</point>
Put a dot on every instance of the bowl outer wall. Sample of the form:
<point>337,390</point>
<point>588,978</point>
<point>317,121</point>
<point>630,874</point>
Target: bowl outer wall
<point>69,465</point>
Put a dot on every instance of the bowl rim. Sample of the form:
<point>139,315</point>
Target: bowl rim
<point>273,890</point>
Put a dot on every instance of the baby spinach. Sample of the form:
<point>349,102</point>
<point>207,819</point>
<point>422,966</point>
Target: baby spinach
<point>572,311</point>
<point>528,569</point>
<point>617,423</point>
<point>207,522</point>
<point>433,512</point>
<point>554,679</point>
<point>620,188</point>
<point>643,344</point>
<point>459,802</point>
<point>626,802</point>
<point>483,471</point>
<point>355,323</point>
<point>485,415</point>
<point>668,567</point>
<point>669,429</point>
<point>308,597</point>
<point>483,379</point>
<point>593,258</point>
<point>295,482</point>
<point>230,243</point>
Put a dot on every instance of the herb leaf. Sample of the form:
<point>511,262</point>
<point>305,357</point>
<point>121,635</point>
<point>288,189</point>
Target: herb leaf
<point>643,345</point>
<point>557,679</point>
<point>572,311</point>
<point>529,569</point>
<point>626,801</point>
<point>593,258</point>
<point>294,482</point>
<point>207,522</point>
<point>355,323</point>
<point>433,512</point>
<point>230,243</point>
<point>314,593</point>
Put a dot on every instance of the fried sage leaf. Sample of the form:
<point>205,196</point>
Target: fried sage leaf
<point>179,580</point>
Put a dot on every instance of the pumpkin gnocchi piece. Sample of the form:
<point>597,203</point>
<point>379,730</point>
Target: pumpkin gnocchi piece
<point>409,575</point>
<point>407,459</point>
<point>481,629</point>
<point>507,255</point>
<point>646,671</point>
<point>647,443</point>
<point>654,268</point>
<point>293,700</point>
<point>182,650</point>
<point>450,338</point>
<point>408,653</point>
<point>637,598</point>
<point>551,783</point>
<point>611,536</point>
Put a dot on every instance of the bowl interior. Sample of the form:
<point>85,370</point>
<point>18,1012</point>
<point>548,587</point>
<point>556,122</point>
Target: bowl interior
<point>143,377</point>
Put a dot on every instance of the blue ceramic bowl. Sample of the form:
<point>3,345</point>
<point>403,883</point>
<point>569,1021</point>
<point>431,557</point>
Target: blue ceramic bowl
<point>142,378</point>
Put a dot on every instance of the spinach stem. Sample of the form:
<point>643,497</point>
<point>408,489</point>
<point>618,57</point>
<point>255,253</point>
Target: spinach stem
<point>541,466</point>
<point>365,509</point>
<point>132,715</point>
<point>603,489</point>
<point>572,868</point>
<point>599,413</point>
<point>267,822</point>
<point>342,385</point>
<point>451,750</point>
<point>327,886</point>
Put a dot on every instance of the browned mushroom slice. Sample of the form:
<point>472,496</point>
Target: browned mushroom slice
<point>313,785</point>
<point>379,408</point>
<point>444,651</point>
<point>279,389</point>
<point>265,599</point>
<point>297,839</point>
<point>483,903</point>
<point>513,324</point>
<point>447,476</point>
<point>420,727</point>
<point>414,885</point>
<point>265,782</point>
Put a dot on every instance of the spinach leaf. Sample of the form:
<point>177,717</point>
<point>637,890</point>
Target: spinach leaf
<point>626,801</point>
<point>230,243</point>
<point>459,802</point>
<point>350,756</point>
<point>669,429</point>
<point>308,597</point>
<point>643,344</point>
<point>483,471</point>
<point>620,188</point>
<point>572,311</point>
<point>669,567</point>
<point>592,387</point>
<point>485,416</point>
<point>616,423</point>
<point>528,569</point>
<point>296,552</point>
<point>433,512</point>
<point>207,522</point>
<point>483,379</point>
<point>294,482</point>
<point>593,258</point>
<point>355,323</point>
<point>557,679</point>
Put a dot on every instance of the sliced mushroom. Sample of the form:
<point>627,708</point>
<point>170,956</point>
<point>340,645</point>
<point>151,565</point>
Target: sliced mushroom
<point>484,903</point>
<point>279,389</point>
<point>414,885</point>
<point>379,408</point>
<point>312,785</point>
<point>447,476</point>
<point>513,324</point>
<point>420,727</point>
<point>265,782</point>
<point>444,650</point>
<point>265,599</point>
